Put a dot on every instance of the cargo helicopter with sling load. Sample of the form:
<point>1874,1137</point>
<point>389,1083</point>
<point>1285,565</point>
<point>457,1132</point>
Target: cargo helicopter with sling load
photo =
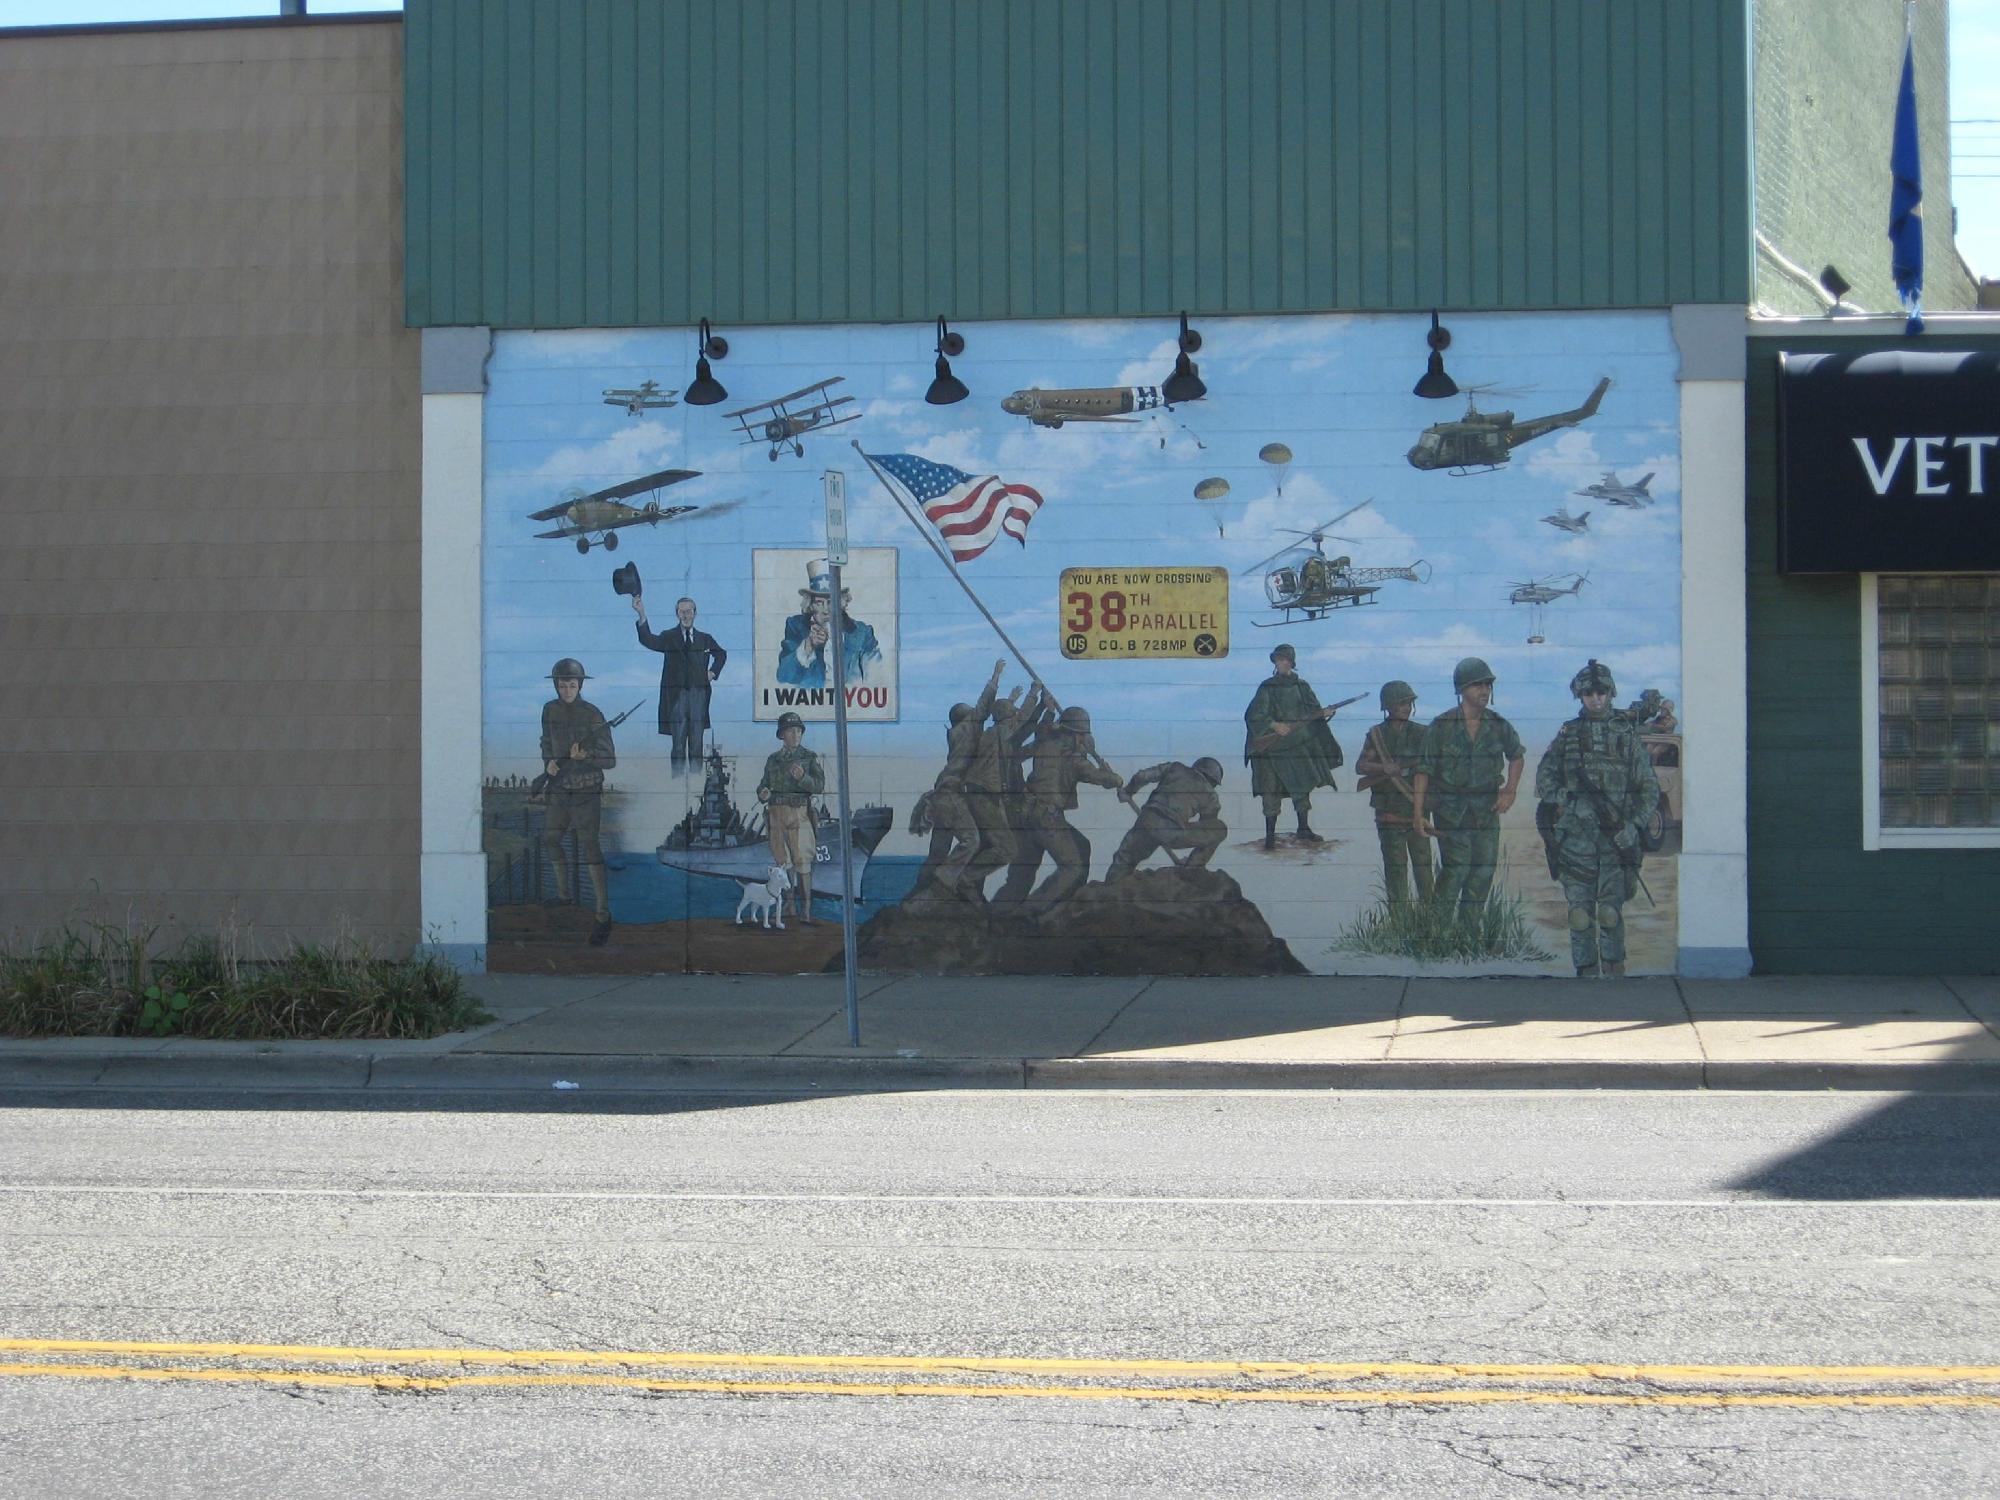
<point>1538,594</point>
<point>595,518</point>
<point>1481,441</point>
<point>1314,585</point>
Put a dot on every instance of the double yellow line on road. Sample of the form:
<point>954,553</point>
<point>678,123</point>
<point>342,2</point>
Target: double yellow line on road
<point>1369,1383</point>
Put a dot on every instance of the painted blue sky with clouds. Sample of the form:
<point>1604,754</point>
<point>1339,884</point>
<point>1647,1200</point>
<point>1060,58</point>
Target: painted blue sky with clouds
<point>1335,388</point>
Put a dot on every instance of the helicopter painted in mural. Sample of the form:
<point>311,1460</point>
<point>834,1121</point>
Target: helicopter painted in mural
<point>1539,593</point>
<point>1481,441</point>
<point>1304,583</point>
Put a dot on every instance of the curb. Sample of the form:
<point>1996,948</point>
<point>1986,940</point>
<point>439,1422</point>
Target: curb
<point>257,1068</point>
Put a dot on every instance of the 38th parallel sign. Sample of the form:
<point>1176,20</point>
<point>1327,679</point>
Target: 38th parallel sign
<point>1126,614</point>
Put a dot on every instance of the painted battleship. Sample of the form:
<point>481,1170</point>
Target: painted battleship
<point>716,839</point>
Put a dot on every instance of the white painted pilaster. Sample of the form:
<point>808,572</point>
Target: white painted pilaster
<point>1714,859</point>
<point>453,869</point>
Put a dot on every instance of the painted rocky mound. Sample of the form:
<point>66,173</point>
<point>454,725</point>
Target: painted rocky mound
<point>1163,921</point>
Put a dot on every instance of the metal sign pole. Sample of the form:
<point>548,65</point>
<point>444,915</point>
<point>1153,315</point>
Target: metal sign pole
<point>835,486</point>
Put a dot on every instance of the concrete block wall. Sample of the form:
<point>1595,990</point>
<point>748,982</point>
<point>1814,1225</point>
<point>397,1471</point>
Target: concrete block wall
<point>1824,80</point>
<point>209,503</point>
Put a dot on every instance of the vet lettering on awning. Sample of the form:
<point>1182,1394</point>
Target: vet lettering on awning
<point>1888,462</point>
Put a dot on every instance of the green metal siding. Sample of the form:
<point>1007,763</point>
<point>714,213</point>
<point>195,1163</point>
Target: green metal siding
<point>617,162</point>
<point>1819,903</point>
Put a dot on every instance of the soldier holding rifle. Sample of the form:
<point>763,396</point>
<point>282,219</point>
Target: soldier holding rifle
<point>1596,786</point>
<point>1388,761</point>
<point>1288,746</point>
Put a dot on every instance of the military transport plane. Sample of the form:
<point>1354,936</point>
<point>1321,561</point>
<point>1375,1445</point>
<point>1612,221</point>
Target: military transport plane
<point>1611,492</point>
<point>646,396</point>
<point>1562,520</point>
<point>596,517</point>
<point>1114,403</point>
<point>781,426</point>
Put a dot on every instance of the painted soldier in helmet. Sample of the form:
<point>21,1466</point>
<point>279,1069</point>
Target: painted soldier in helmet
<point>576,752</point>
<point>1467,775</point>
<point>1183,812</point>
<point>1597,787</point>
<point>792,777</point>
<point>1287,745</point>
<point>1388,762</point>
<point>1062,755</point>
<point>953,830</point>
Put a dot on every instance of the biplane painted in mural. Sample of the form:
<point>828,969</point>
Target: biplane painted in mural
<point>1481,441</point>
<point>1539,593</point>
<point>1111,403</point>
<point>643,397</point>
<point>1305,583</point>
<point>594,518</point>
<point>1611,491</point>
<point>785,419</point>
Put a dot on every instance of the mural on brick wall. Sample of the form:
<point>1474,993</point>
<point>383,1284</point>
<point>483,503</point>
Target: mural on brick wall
<point>1253,662</point>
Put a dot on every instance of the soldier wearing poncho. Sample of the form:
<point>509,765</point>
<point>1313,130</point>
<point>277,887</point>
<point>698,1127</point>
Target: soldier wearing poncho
<point>1596,785</point>
<point>1287,745</point>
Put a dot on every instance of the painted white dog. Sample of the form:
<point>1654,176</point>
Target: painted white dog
<point>765,900</point>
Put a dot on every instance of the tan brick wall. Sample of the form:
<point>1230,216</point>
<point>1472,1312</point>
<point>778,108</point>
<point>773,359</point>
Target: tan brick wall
<point>208,483</point>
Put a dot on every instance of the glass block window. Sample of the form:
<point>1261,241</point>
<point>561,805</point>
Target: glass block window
<point>1938,668</point>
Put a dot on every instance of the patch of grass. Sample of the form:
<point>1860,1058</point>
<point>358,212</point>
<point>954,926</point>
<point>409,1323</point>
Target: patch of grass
<point>1422,930</point>
<point>103,981</point>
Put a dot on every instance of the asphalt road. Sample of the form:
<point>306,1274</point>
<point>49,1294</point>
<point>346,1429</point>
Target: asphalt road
<point>985,1294</point>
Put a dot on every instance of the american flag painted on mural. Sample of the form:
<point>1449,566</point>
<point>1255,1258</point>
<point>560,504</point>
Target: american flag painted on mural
<point>970,511</point>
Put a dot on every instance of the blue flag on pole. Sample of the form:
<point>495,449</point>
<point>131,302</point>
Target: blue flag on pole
<point>1906,194</point>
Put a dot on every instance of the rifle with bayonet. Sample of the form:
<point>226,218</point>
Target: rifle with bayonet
<point>539,787</point>
<point>1281,730</point>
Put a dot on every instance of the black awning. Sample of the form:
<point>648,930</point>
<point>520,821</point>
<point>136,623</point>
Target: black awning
<point>1889,462</point>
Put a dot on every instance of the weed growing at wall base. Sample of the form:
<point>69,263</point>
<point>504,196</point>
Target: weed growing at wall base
<point>102,981</point>
<point>1423,931</point>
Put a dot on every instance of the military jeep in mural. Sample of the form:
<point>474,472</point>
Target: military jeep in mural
<point>1665,821</point>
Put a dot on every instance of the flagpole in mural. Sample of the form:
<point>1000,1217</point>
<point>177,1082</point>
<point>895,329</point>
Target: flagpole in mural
<point>834,487</point>
<point>1906,188</point>
<point>951,567</point>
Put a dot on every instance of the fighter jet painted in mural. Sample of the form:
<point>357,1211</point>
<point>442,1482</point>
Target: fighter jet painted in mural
<point>595,518</point>
<point>1481,441</point>
<point>645,396</point>
<point>1562,520</point>
<point>1611,492</point>
<point>1114,403</point>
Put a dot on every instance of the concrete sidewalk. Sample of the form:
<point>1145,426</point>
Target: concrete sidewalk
<point>679,1032</point>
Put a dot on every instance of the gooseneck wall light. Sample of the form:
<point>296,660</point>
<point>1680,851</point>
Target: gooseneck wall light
<point>945,386</point>
<point>705,389</point>
<point>1185,382</point>
<point>1435,384</point>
